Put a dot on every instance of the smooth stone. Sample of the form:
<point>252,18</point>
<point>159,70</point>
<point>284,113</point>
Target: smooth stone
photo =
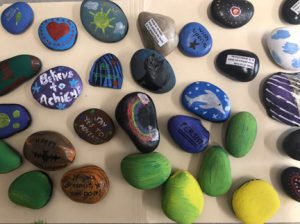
<point>255,202</point>
<point>49,150</point>
<point>107,72</point>
<point>290,11</point>
<point>232,13</point>
<point>152,71</point>
<point>94,126</point>
<point>88,184</point>
<point>146,171</point>
<point>188,133</point>
<point>10,159</point>
<point>17,70</point>
<point>58,34</point>
<point>17,18</point>
<point>104,20</point>
<point>32,190</point>
<point>182,198</point>
<point>158,32</point>
<point>136,114</point>
<point>291,145</point>
<point>58,88</point>
<point>290,181</point>
<point>195,40</point>
<point>238,65</point>
<point>14,118</point>
<point>240,134</point>
<point>207,101</point>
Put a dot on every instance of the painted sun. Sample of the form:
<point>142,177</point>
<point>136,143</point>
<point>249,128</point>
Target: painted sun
<point>102,20</point>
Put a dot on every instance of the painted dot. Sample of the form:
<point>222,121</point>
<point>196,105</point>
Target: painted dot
<point>16,125</point>
<point>16,114</point>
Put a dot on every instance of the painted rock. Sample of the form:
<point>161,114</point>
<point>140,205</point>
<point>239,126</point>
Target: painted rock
<point>207,101</point>
<point>49,150</point>
<point>23,192</point>
<point>256,201</point>
<point>188,133</point>
<point>195,40</point>
<point>104,20</point>
<point>291,145</point>
<point>158,32</point>
<point>146,171</point>
<point>10,159</point>
<point>240,134</point>
<point>94,126</point>
<point>57,88</point>
<point>14,118</point>
<point>136,114</point>
<point>232,13</point>
<point>152,71</point>
<point>58,34</point>
<point>88,184</point>
<point>17,18</point>
<point>17,70</point>
<point>239,65</point>
<point>182,198</point>
<point>290,11</point>
<point>290,181</point>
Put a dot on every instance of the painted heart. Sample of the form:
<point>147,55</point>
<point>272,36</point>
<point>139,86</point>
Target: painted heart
<point>57,30</point>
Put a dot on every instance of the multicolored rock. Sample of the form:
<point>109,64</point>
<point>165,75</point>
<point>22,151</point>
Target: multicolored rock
<point>10,159</point>
<point>290,181</point>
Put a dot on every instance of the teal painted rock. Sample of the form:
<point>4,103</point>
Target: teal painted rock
<point>182,199</point>
<point>146,171</point>
<point>215,173</point>
<point>32,189</point>
<point>9,158</point>
<point>240,134</point>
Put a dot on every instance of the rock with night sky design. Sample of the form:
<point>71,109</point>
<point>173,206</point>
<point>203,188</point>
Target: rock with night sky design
<point>290,181</point>
<point>57,88</point>
<point>207,101</point>
<point>104,20</point>
<point>136,114</point>
<point>291,144</point>
<point>290,11</point>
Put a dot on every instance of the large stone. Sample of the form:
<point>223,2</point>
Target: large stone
<point>10,159</point>
<point>290,181</point>
<point>290,11</point>
<point>291,145</point>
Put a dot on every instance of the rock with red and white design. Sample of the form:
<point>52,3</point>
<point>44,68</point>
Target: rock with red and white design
<point>290,181</point>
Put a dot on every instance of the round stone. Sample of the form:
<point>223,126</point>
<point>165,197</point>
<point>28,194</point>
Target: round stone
<point>291,145</point>
<point>290,11</point>
<point>10,159</point>
<point>290,181</point>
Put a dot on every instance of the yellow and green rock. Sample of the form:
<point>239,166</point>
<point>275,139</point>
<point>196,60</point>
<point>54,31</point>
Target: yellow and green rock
<point>10,159</point>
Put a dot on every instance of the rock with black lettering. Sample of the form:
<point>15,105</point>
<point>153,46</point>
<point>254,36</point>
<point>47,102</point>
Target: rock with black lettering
<point>290,11</point>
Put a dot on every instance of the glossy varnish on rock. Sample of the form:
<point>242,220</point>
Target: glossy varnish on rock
<point>290,181</point>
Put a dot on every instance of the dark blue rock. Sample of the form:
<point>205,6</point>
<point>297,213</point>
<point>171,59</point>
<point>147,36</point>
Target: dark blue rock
<point>195,40</point>
<point>152,71</point>
<point>14,118</point>
<point>188,133</point>
<point>207,101</point>
<point>17,18</point>
<point>290,181</point>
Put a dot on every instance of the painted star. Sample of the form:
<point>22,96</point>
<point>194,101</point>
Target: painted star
<point>215,116</point>
<point>73,83</point>
<point>36,88</point>
<point>194,44</point>
<point>61,106</point>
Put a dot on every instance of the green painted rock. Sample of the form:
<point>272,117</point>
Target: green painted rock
<point>9,158</point>
<point>241,134</point>
<point>32,189</point>
<point>146,171</point>
<point>182,199</point>
<point>215,173</point>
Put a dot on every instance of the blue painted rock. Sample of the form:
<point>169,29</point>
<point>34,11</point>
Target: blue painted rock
<point>58,34</point>
<point>136,114</point>
<point>188,133</point>
<point>207,101</point>
<point>107,72</point>
<point>14,118</point>
<point>17,18</point>
<point>152,71</point>
<point>104,20</point>
<point>290,181</point>
<point>290,11</point>
<point>195,40</point>
<point>57,88</point>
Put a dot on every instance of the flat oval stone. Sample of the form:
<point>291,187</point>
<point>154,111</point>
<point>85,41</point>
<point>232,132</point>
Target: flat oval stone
<point>239,65</point>
<point>57,88</point>
<point>136,114</point>
<point>107,72</point>
<point>104,20</point>
<point>88,184</point>
<point>290,181</point>
<point>158,32</point>
<point>49,150</point>
<point>14,118</point>
<point>58,34</point>
<point>32,189</point>
<point>290,11</point>
<point>10,159</point>
<point>94,126</point>
<point>152,71</point>
<point>195,40</point>
<point>207,101</point>
<point>17,70</point>
<point>188,133</point>
<point>291,145</point>
<point>17,18</point>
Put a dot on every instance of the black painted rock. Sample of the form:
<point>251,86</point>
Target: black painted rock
<point>290,11</point>
<point>291,145</point>
<point>238,64</point>
<point>290,180</point>
<point>136,114</point>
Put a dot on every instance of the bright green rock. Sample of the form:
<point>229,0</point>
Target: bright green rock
<point>240,134</point>
<point>146,171</point>
<point>9,158</point>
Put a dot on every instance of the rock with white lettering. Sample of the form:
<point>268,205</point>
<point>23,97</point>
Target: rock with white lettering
<point>290,11</point>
